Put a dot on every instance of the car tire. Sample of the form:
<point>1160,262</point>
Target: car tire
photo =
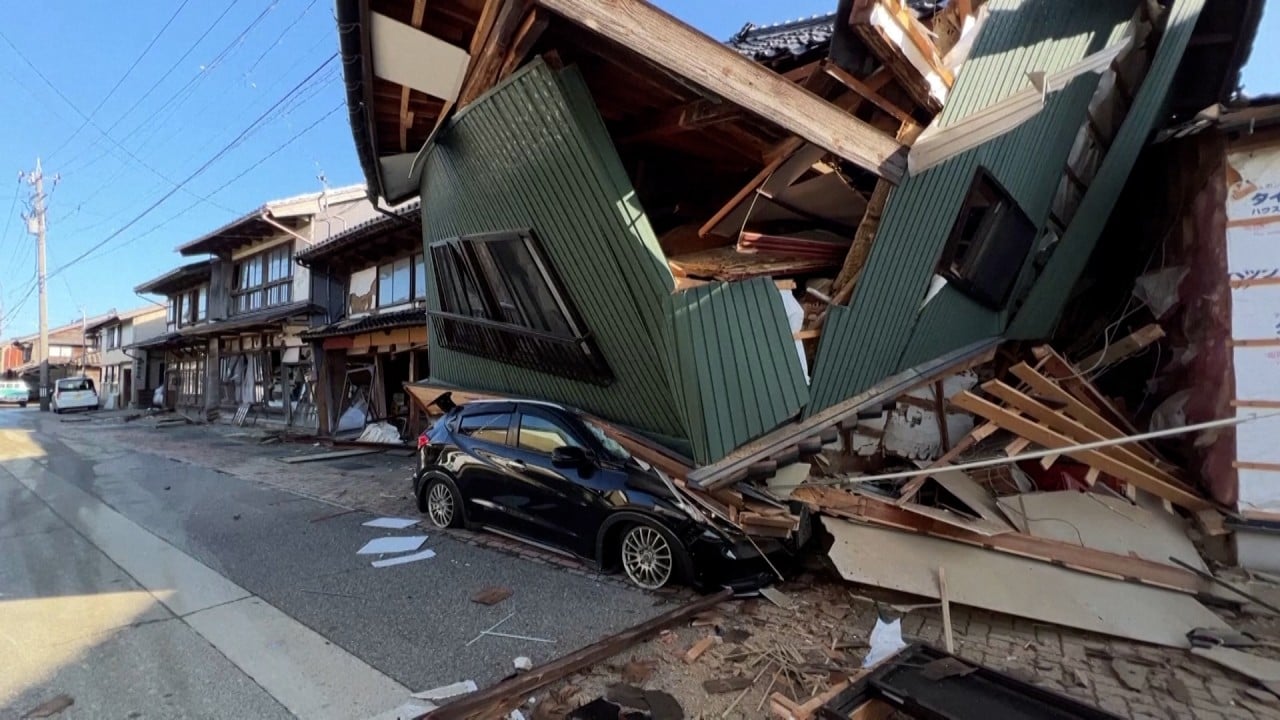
<point>651,556</point>
<point>441,502</point>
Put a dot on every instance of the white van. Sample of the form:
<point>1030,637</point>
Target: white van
<point>74,393</point>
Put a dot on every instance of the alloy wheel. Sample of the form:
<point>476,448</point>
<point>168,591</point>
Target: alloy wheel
<point>440,505</point>
<point>647,557</point>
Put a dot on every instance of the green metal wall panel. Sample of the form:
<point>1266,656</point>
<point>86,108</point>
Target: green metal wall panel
<point>528,156</point>
<point>729,343</point>
<point>1040,313</point>
<point>1026,35</point>
<point>707,369</point>
<point>884,329</point>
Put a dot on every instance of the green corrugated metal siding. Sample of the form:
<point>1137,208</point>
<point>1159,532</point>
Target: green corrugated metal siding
<point>1044,305</point>
<point>713,367</point>
<point>1026,35</point>
<point>527,155</point>
<point>884,330</point>
<point>730,342</point>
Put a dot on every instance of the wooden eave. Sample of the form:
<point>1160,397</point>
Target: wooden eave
<point>638,61</point>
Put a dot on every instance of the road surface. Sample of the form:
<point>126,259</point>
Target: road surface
<point>144,587</point>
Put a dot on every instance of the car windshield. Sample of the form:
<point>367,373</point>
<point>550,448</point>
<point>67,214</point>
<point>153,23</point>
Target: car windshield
<point>610,445</point>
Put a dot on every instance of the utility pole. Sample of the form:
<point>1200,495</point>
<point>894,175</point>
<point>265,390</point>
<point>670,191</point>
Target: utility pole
<point>36,226</point>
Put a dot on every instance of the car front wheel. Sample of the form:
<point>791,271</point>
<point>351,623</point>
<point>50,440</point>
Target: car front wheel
<point>650,555</point>
<point>441,503</point>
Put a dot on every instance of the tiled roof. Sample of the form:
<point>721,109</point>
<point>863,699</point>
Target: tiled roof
<point>794,38</point>
<point>406,213</point>
<point>383,321</point>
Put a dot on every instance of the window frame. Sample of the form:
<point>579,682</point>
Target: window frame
<point>548,418</point>
<point>247,298</point>
<point>967,278</point>
<point>508,411</point>
<point>472,319</point>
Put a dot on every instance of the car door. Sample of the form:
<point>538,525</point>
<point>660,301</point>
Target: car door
<point>559,505</point>
<point>482,434</point>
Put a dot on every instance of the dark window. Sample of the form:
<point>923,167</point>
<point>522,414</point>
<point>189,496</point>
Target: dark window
<point>419,277</point>
<point>490,427</point>
<point>393,282</point>
<point>500,298</point>
<point>989,243</point>
<point>538,434</point>
<point>264,280</point>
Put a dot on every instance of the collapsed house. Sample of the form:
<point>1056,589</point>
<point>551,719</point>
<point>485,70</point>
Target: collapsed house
<point>616,208</point>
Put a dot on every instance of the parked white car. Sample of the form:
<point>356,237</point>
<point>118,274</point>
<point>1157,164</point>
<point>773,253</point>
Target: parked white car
<point>74,393</point>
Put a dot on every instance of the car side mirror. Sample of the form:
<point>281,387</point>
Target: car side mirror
<point>570,456</point>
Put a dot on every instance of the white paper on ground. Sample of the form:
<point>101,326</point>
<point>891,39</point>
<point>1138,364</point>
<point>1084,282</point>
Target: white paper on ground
<point>405,712</point>
<point>391,523</point>
<point>388,545</point>
<point>402,559</point>
<point>886,640</point>
<point>447,691</point>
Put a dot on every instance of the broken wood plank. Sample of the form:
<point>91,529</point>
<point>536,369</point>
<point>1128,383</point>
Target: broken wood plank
<point>526,36</point>
<point>781,153</point>
<point>908,562</point>
<point>898,39</point>
<point>1017,446</point>
<point>498,22</point>
<point>940,413</point>
<point>1075,557</point>
<point>521,686</point>
<point>1123,348</point>
<point>699,113</point>
<point>946,611</point>
<point>865,91</point>
<point>315,457</point>
<point>975,436</point>
<point>729,265</point>
<point>864,237</point>
<point>698,648</point>
<point>1175,493</point>
<point>682,50</point>
<point>1078,432</point>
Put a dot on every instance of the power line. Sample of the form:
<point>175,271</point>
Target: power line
<point>197,171</point>
<point>228,183</point>
<point>90,122</point>
<point>125,76</point>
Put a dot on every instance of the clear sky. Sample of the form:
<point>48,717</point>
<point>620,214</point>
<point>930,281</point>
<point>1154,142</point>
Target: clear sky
<point>205,71</point>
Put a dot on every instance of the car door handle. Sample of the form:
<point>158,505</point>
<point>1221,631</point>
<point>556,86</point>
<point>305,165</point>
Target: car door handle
<point>517,465</point>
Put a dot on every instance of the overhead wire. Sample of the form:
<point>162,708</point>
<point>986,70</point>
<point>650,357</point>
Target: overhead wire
<point>154,39</point>
<point>224,185</point>
<point>197,171</point>
<point>89,121</point>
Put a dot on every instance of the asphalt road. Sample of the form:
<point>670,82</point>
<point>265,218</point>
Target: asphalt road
<point>406,626</point>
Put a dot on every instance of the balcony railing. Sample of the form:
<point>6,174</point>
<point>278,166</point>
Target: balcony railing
<point>576,358</point>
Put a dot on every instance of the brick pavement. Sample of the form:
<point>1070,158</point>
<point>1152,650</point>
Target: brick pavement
<point>1159,683</point>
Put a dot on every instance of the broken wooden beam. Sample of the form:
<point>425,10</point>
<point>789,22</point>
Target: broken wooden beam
<point>1173,492</point>
<point>905,46</point>
<point>1073,557</point>
<point>522,685</point>
<point>682,50</point>
<point>1123,348</point>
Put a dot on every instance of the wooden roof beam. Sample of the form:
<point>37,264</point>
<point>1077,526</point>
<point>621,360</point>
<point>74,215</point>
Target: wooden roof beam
<point>678,48</point>
<point>689,116</point>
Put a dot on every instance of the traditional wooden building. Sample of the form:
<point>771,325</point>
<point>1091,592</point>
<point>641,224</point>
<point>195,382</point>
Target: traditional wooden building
<point>236,318</point>
<point>371,279</point>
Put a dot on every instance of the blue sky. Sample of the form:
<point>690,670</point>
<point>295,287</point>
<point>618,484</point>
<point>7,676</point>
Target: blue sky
<point>216,68</point>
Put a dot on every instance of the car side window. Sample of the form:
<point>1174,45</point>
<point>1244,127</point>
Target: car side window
<point>538,434</point>
<point>489,427</point>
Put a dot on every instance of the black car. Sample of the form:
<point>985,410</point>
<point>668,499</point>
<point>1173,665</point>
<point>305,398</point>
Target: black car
<point>548,475</point>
